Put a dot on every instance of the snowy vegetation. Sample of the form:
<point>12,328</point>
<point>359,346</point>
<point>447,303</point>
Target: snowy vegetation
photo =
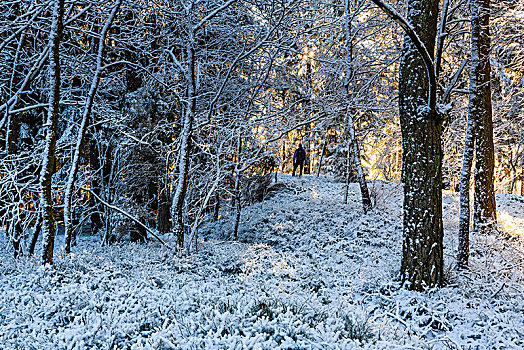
<point>309,272</point>
<point>146,149</point>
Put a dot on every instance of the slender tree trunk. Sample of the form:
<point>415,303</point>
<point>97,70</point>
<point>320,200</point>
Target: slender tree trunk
<point>321,157</point>
<point>185,149</point>
<point>353,146</point>
<point>348,172</point>
<point>238,194</point>
<point>513,170</point>
<point>83,126</point>
<point>283,155</point>
<point>366,199</point>
<point>513,180</point>
<point>422,252</point>
<point>216,210</point>
<point>94,167</point>
<point>522,183</point>
<point>465,177</point>
<point>164,207</point>
<point>13,131</point>
<point>36,233</point>
<point>48,157</point>
<point>485,211</point>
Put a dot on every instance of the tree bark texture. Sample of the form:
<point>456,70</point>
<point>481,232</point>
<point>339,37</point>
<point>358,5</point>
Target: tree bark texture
<point>164,206</point>
<point>48,157</point>
<point>353,147</point>
<point>485,210</point>
<point>36,233</point>
<point>185,150</point>
<point>465,177</point>
<point>364,192</point>
<point>94,166</point>
<point>422,253</point>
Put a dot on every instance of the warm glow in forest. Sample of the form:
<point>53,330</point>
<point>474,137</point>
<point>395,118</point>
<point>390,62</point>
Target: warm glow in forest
<point>229,174</point>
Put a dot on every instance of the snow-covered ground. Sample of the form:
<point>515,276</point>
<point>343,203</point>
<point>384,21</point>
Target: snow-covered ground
<point>308,273</point>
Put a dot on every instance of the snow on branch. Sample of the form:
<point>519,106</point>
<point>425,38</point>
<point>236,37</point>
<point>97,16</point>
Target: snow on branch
<point>419,45</point>
<point>212,14</point>
<point>125,213</point>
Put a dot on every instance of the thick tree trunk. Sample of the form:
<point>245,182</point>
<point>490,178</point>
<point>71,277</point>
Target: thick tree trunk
<point>422,253</point>
<point>17,232</point>
<point>485,211</point>
<point>48,157</point>
<point>465,177</point>
<point>83,126</point>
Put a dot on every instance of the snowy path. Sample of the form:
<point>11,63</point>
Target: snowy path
<point>308,273</point>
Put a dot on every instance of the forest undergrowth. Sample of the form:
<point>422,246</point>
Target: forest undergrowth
<point>308,272</point>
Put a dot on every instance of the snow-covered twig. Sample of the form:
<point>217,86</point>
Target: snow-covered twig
<point>123,212</point>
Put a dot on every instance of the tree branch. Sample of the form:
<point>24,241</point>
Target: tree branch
<point>419,45</point>
<point>121,211</point>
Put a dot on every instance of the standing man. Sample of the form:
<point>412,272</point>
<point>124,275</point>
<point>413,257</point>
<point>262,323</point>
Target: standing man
<point>299,158</point>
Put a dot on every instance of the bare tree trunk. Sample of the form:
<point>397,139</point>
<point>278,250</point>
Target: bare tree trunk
<point>83,126</point>
<point>321,157</point>
<point>12,134</point>
<point>366,199</point>
<point>348,172</point>
<point>48,157</point>
<point>522,183</point>
<point>283,155</point>
<point>164,207</point>
<point>465,177</point>
<point>514,163</point>
<point>422,253</point>
<point>36,233</point>
<point>485,211</point>
<point>216,210</point>
<point>238,194</point>
<point>94,168</point>
<point>185,149</point>
<point>353,146</point>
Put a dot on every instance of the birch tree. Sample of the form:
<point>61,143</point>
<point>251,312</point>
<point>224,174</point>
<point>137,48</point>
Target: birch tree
<point>353,145</point>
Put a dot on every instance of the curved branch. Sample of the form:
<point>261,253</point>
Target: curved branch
<point>419,45</point>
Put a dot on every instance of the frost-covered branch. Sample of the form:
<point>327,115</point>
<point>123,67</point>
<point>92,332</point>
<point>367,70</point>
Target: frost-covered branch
<point>123,212</point>
<point>83,126</point>
<point>419,45</point>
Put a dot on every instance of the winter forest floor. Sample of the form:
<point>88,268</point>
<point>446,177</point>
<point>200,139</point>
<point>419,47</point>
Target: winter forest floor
<point>308,273</point>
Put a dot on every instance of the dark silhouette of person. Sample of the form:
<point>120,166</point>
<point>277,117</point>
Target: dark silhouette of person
<point>299,158</point>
